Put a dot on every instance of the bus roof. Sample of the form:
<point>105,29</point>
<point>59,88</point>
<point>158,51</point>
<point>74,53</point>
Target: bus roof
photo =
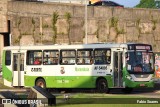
<point>78,46</point>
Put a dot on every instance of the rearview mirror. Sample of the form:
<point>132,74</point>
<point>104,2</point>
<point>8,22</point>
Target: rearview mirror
<point>126,55</point>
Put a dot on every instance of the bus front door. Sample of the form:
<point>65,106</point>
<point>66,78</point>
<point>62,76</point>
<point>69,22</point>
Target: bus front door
<point>18,69</point>
<point>117,67</point>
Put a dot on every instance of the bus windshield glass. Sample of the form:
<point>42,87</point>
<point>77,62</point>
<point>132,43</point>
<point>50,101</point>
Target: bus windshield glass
<point>140,61</point>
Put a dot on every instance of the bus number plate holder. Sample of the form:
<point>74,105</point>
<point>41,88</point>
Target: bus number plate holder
<point>142,85</point>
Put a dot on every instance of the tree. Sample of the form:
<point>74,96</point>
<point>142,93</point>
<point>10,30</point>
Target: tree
<point>146,4</point>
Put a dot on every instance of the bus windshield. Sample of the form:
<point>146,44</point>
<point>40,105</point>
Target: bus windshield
<point>140,61</point>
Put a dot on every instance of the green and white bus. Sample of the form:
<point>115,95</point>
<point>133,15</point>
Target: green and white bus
<point>100,66</point>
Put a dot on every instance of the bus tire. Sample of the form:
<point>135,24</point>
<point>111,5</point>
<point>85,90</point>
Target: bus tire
<point>102,86</point>
<point>40,82</point>
<point>127,90</point>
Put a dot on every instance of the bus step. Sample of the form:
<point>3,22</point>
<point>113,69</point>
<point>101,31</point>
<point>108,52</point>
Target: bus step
<point>118,87</point>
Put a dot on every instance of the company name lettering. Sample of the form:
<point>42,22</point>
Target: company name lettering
<point>81,69</point>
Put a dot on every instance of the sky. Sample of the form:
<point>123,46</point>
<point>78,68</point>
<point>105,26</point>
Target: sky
<point>127,3</point>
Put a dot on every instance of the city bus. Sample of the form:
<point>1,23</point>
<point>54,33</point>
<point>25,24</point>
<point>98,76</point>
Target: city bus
<point>100,66</point>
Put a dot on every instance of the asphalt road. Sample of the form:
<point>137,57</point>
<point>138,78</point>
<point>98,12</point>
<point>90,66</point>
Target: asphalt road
<point>147,92</point>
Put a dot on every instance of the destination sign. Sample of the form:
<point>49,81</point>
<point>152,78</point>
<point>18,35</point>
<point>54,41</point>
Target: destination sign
<point>139,47</point>
<point>143,47</point>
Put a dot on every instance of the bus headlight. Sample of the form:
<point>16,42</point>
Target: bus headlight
<point>129,77</point>
<point>153,79</point>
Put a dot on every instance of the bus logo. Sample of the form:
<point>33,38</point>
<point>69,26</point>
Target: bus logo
<point>62,70</point>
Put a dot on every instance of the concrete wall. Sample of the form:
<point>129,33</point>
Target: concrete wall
<point>32,24</point>
<point>1,47</point>
<point>3,24</point>
<point>3,16</point>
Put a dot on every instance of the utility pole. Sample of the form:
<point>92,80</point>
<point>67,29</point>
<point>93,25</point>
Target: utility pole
<point>86,36</point>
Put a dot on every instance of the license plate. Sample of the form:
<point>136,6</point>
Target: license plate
<point>142,85</point>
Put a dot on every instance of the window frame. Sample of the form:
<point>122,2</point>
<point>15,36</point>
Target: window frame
<point>28,57</point>
<point>106,49</point>
<point>6,57</point>
<point>61,57</point>
<point>51,57</point>
<point>91,52</point>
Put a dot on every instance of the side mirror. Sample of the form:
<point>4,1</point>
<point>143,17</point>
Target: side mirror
<point>126,55</point>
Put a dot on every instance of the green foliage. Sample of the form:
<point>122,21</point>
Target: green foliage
<point>54,18</point>
<point>100,100</point>
<point>17,41</point>
<point>33,30</point>
<point>120,31</point>
<point>45,25</point>
<point>33,23</point>
<point>138,22</point>
<point>97,33</point>
<point>20,35</point>
<point>19,22</point>
<point>154,21</point>
<point>54,27</point>
<point>68,18</point>
<point>113,22</point>
<point>146,4</point>
<point>137,27</point>
<point>154,24</point>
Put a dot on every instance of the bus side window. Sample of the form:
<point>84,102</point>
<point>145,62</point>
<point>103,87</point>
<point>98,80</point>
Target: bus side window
<point>8,58</point>
<point>68,57</point>
<point>102,56</point>
<point>33,56</point>
<point>50,57</point>
<point>84,56</point>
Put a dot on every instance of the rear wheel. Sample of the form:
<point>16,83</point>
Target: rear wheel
<point>41,83</point>
<point>102,86</point>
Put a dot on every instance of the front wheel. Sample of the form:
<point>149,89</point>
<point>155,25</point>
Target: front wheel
<point>102,86</point>
<point>41,83</point>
